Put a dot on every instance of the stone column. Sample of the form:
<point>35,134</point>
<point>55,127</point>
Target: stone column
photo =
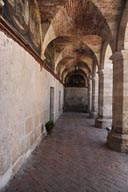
<point>96,92</point>
<point>94,97</point>
<point>99,118</point>
<point>89,95</point>
<point>1,6</point>
<point>104,117</point>
<point>118,137</point>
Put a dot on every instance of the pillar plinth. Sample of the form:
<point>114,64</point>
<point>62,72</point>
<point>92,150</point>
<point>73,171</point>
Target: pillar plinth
<point>118,137</point>
<point>118,141</point>
<point>103,122</point>
<point>93,114</point>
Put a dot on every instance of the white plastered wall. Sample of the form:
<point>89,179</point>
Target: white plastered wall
<point>24,105</point>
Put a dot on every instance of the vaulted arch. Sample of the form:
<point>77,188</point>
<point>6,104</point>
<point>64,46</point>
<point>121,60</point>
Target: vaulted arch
<point>122,28</point>
<point>78,22</point>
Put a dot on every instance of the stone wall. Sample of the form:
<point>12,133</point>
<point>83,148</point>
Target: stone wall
<point>108,85</point>
<point>24,105</point>
<point>76,99</point>
<point>126,38</point>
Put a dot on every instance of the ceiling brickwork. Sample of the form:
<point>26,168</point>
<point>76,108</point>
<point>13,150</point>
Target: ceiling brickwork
<point>77,30</point>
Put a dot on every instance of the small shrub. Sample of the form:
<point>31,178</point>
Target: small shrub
<point>49,126</point>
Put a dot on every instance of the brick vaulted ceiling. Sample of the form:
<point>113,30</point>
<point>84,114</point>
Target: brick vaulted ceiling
<point>75,32</point>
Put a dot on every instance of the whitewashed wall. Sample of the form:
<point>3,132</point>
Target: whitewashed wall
<point>24,105</point>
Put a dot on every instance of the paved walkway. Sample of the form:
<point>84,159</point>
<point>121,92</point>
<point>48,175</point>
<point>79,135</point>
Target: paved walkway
<point>73,159</point>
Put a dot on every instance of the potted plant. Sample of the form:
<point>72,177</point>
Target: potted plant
<point>49,126</point>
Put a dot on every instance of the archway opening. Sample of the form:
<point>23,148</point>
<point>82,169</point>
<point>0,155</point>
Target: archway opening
<point>76,92</point>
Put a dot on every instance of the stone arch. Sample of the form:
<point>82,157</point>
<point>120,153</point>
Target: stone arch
<point>62,63</point>
<point>72,63</point>
<point>83,67</point>
<point>64,45</point>
<point>123,29</point>
<point>57,46</point>
<point>65,72</point>
<point>75,80</point>
<point>105,47</point>
<point>76,91</point>
<point>78,11</point>
<point>50,36</point>
<point>77,56</point>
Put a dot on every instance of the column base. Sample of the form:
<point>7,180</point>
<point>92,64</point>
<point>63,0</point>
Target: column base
<point>118,142</point>
<point>102,122</point>
<point>93,114</point>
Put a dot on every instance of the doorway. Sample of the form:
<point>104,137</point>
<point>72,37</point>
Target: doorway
<point>52,103</point>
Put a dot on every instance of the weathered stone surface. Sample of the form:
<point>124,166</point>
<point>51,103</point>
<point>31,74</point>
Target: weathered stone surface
<point>76,99</point>
<point>118,137</point>
<point>118,141</point>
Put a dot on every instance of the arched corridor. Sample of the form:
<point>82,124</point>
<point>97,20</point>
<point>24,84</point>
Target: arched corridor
<point>73,158</point>
<point>71,57</point>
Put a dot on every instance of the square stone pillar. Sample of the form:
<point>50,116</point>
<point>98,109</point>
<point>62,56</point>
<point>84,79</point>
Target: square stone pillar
<point>118,137</point>
<point>104,117</point>
<point>89,95</point>
<point>94,97</point>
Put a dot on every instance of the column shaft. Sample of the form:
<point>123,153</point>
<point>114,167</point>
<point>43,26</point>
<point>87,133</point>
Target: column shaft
<point>118,137</point>
<point>94,97</point>
<point>104,117</point>
<point>89,95</point>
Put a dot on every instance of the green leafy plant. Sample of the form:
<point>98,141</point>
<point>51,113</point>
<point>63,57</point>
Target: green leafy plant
<point>49,126</point>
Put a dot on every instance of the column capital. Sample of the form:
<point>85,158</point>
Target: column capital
<point>100,72</point>
<point>1,5</point>
<point>93,77</point>
<point>89,77</point>
<point>117,56</point>
<point>90,80</point>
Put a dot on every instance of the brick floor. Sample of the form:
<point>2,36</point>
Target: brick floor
<point>74,158</point>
